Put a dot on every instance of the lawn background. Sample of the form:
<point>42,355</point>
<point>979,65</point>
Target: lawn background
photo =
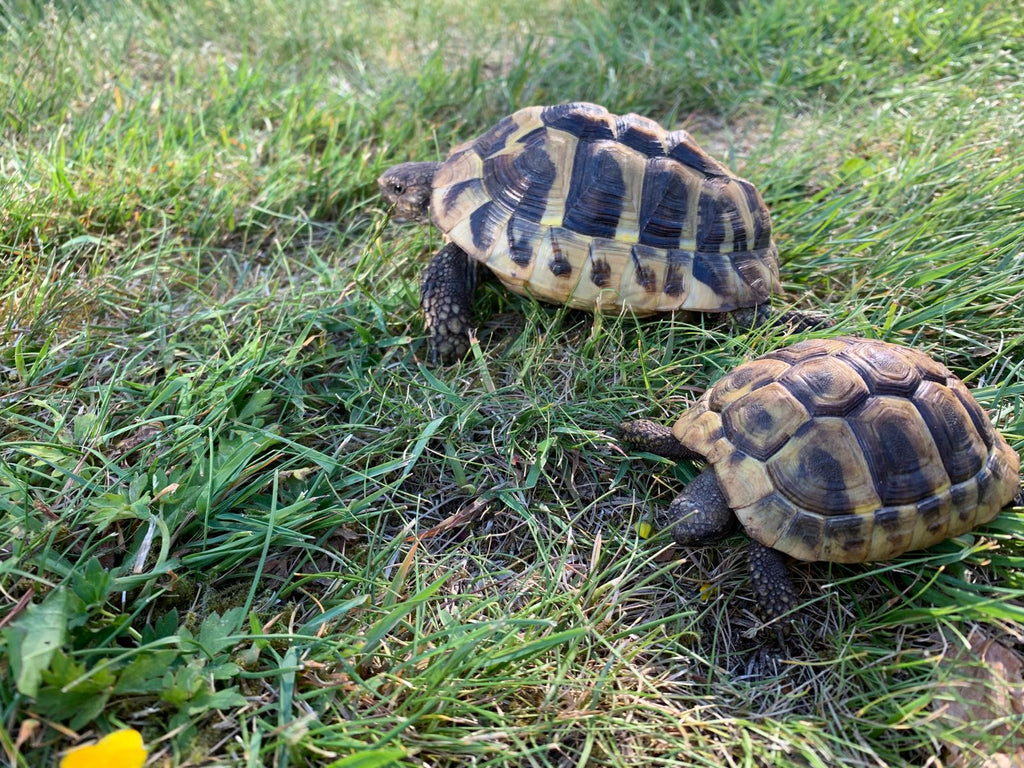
<point>240,514</point>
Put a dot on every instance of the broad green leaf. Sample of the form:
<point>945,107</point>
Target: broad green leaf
<point>110,507</point>
<point>256,404</point>
<point>182,685</point>
<point>145,673</point>
<point>94,584</point>
<point>204,701</point>
<point>216,630</point>
<point>36,637</point>
<point>77,705</point>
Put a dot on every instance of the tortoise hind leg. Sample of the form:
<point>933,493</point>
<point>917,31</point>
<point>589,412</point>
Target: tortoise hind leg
<point>797,320</point>
<point>446,295</point>
<point>772,585</point>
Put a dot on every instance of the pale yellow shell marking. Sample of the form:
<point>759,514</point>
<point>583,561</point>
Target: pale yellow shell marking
<point>514,276</point>
<point>762,422</point>
<point>463,163</point>
<point>743,380</point>
<point>633,166</point>
<point>744,480</point>
<point>694,181</point>
<point>559,144</point>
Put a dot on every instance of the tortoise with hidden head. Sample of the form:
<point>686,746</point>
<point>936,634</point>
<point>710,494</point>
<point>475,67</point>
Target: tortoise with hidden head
<point>572,204</point>
<point>844,450</point>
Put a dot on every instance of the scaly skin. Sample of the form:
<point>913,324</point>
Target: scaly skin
<point>655,438</point>
<point>700,514</point>
<point>763,314</point>
<point>446,294</point>
<point>774,590</point>
<point>407,187</point>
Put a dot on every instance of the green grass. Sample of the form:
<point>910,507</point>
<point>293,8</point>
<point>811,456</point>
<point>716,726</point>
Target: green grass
<point>240,514</point>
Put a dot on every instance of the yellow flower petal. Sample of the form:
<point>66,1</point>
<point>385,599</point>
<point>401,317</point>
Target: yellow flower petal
<point>644,530</point>
<point>123,749</point>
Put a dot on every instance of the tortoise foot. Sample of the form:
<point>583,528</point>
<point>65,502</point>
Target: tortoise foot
<point>776,596</point>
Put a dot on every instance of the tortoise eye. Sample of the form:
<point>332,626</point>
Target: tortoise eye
<point>398,189</point>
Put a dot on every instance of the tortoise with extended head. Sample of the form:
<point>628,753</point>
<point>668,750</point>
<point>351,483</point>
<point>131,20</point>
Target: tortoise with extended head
<point>572,204</point>
<point>844,450</point>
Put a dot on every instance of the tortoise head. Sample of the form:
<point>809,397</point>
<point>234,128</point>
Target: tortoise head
<point>407,187</point>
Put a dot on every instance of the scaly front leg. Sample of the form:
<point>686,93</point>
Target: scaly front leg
<point>446,295</point>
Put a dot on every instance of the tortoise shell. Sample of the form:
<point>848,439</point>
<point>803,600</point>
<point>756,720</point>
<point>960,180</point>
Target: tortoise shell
<point>849,450</point>
<point>572,204</point>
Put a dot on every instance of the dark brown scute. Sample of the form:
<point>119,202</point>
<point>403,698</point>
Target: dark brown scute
<point>896,449</point>
<point>808,348</point>
<point>817,462</point>
<point>978,418</point>
<point>931,511</point>
<point>749,264</point>
<point>808,528</point>
<point>738,379</point>
<point>559,265</point>
<point>593,205</point>
<point>814,480</point>
<point>757,422</point>
<point>885,370</point>
<point>484,222</point>
<point>761,235</point>
<point>950,428</point>
<point>521,182</point>
<point>637,136</point>
<point>496,137</point>
<point>984,479</point>
<point>690,156</point>
<point>716,216</point>
<point>964,496</point>
<point>504,180</point>
<point>889,520</point>
<point>664,206</point>
<point>847,530</point>
<point>761,423</point>
<point>453,192</point>
<point>825,388</point>
<point>537,136</point>
<point>711,269</point>
<point>585,121</point>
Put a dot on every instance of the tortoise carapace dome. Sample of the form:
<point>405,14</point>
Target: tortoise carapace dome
<point>850,450</point>
<point>573,204</point>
